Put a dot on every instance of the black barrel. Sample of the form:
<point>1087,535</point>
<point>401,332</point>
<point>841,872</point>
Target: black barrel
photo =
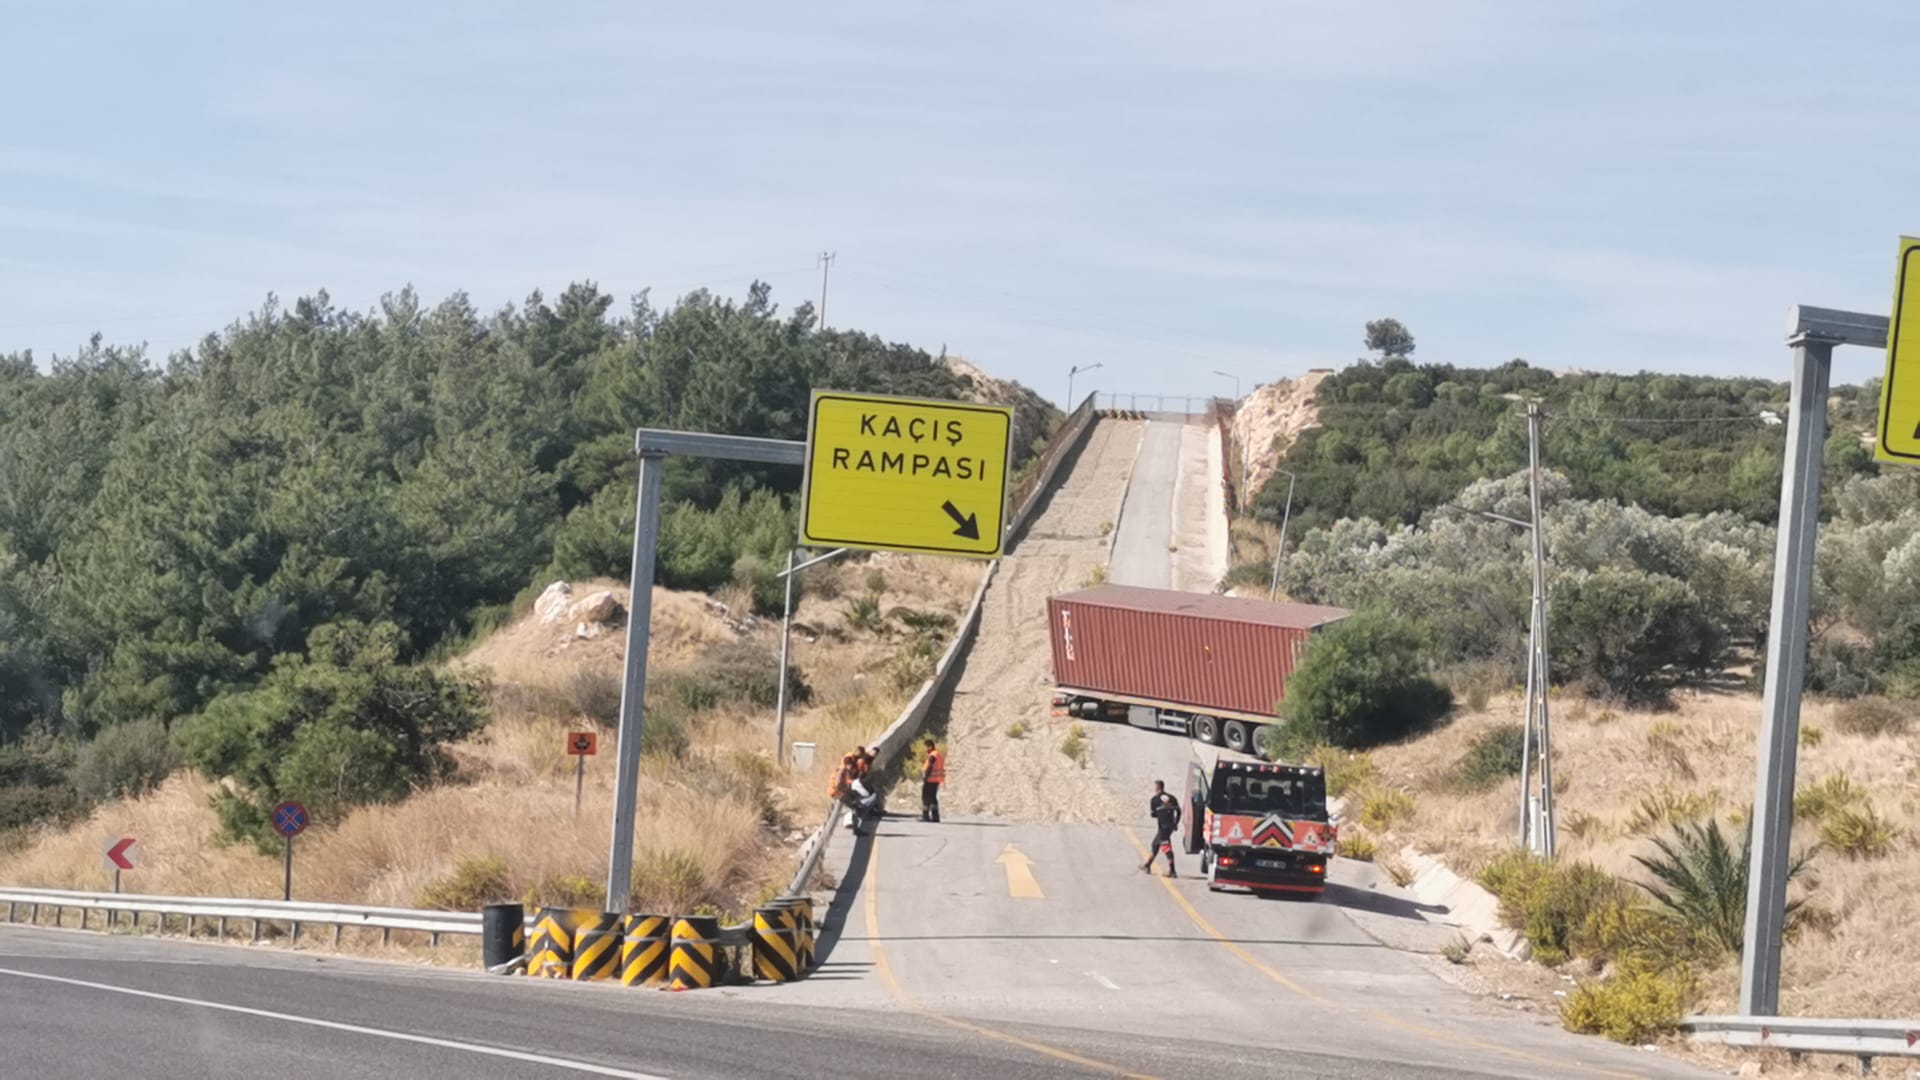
<point>503,933</point>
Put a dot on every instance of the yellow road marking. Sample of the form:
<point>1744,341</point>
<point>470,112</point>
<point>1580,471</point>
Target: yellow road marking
<point>1374,1014</point>
<point>1020,882</point>
<point>893,986</point>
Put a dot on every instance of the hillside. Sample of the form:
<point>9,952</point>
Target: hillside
<point>233,558</point>
<point>718,821</point>
<point>1625,777</point>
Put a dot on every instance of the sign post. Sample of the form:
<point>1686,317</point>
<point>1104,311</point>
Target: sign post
<point>119,853</point>
<point>289,820</point>
<point>903,474</point>
<point>582,745</point>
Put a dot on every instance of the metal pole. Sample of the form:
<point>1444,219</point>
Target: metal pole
<point>579,782</point>
<point>1772,823</point>
<point>1526,733</point>
<point>786,637</point>
<point>633,691</point>
<point>1070,373</point>
<point>286,880</point>
<point>1280,550</point>
<point>1545,840</point>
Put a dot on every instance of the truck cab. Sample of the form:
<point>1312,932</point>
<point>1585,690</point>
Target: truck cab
<point>1259,826</point>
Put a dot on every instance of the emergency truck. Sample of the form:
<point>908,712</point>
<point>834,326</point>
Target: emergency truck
<point>1260,826</point>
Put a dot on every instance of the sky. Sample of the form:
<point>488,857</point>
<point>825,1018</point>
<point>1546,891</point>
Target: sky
<point>1168,191</point>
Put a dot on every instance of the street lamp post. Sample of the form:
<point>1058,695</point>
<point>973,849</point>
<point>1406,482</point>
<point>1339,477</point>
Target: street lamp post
<point>1071,372</point>
<point>1236,382</point>
<point>1280,549</point>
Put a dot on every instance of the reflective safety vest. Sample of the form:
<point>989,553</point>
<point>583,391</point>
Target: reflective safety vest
<point>936,771</point>
<point>843,779</point>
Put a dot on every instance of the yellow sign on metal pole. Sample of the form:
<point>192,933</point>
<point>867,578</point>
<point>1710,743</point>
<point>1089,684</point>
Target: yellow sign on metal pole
<point>904,474</point>
<point>1900,391</point>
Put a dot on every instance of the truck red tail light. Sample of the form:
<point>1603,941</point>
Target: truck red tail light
<point>1317,868</point>
<point>1228,860</point>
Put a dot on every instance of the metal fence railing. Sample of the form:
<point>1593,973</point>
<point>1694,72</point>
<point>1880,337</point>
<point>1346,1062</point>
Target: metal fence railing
<point>1864,1039</point>
<point>193,910</point>
<point>1171,404</point>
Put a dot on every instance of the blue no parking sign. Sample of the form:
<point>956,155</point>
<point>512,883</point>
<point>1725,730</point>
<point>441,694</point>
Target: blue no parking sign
<point>289,819</point>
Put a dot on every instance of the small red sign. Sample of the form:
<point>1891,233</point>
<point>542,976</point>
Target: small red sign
<point>121,853</point>
<point>583,744</point>
<point>289,819</point>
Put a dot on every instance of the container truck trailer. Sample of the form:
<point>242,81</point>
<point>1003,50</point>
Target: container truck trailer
<point>1211,668</point>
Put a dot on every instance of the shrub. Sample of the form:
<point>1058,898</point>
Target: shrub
<point>876,582</point>
<point>476,880</point>
<point>863,613</point>
<point>567,891</point>
<point>1668,807</point>
<point>761,581</point>
<point>1836,792</point>
<point>1075,745</point>
<point>1383,808</point>
<point>1346,771</point>
<point>1871,716</point>
<point>1095,576</point>
<point>1457,949</point>
<point>1248,575</point>
<point>1630,632</point>
<point>733,673</point>
<point>1397,871</point>
<point>343,725</point>
<point>1810,735</point>
<point>1017,730</point>
<point>1358,846</point>
<point>595,694</point>
<point>1701,881</point>
<point>124,760</point>
<point>668,880</point>
<point>1362,683</point>
<point>1859,832</point>
<point>1550,903</point>
<point>1631,1007</point>
<point>1492,756</point>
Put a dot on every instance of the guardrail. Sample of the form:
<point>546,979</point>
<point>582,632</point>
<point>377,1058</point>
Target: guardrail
<point>1174,404</point>
<point>221,909</point>
<point>1864,1039</point>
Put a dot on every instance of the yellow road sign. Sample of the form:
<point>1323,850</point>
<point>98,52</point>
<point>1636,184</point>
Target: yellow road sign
<point>904,474</point>
<point>1900,391</point>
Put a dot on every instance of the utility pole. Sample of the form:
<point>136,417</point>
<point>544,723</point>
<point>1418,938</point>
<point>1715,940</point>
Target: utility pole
<point>1543,841</point>
<point>1280,549</point>
<point>826,264</point>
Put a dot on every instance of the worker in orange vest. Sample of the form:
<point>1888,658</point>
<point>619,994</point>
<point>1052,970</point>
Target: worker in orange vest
<point>932,775</point>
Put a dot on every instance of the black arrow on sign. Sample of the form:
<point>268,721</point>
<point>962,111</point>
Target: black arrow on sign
<point>969,526</point>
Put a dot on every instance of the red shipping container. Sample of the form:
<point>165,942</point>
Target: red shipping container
<point>1204,652</point>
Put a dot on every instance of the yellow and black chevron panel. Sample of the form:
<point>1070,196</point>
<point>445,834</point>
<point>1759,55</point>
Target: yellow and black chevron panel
<point>552,954</point>
<point>643,950</point>
<point>803,912</point>
<point>596,947</point>
<point>695,961</point>
<point>775,938</point>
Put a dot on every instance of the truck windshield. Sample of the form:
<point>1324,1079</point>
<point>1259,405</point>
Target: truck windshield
<point>1302,797</point>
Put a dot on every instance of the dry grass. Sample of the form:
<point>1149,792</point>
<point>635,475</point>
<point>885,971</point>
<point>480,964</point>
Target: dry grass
<point>715,828</point>
<point>1631,764</point>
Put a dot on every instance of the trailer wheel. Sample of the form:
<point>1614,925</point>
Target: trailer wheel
<point>1207,730</point>
<point>1237,738</point>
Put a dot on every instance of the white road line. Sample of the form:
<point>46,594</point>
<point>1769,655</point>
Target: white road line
<point>331,1025</point>
<point>1102,980</point>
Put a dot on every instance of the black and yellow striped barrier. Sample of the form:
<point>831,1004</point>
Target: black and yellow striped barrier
<point>694,963</point>
<point>596,947</point>
<point>803,910</point>
<point>551,956</point>
<point>775,938</point>
<point>643,950</point>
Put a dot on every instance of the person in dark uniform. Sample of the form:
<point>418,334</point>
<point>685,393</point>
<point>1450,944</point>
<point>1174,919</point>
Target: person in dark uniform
<point>1166,817</point>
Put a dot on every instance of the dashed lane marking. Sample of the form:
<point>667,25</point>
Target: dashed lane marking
<point>892,984</point>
